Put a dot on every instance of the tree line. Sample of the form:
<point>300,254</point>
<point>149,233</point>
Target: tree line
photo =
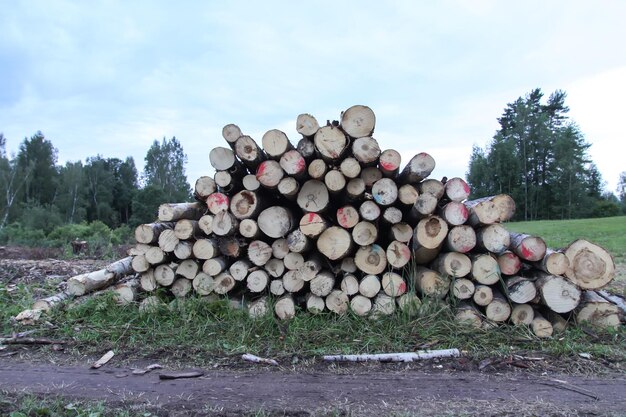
<point>539,156</point>
<point>37,193</point>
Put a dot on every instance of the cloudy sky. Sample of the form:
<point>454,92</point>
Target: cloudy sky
<point>109,77</point>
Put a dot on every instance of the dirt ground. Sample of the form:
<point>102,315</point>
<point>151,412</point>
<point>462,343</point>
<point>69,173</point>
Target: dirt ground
<point>499,387</point>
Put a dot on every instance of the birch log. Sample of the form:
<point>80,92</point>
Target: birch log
<point>86,283</point>
<point>591,267</point>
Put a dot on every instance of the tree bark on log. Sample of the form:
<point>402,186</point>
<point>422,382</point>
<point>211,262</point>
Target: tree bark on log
<point>178,211</point>
<point>597,311</point>
<point>527,247</point>
<point>48,303</point>
<point>86,283</point>
<point>418,168</point>
<point>520,290</point>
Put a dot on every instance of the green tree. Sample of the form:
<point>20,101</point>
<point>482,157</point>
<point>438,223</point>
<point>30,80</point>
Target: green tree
<point>71,200</point>
<point>38,156</point>
<point>165,170</point>
<point>126,185</point>
<point>539,157</point>
<point>13,179</point>
<point>99,182</point>
<point>145,205</point>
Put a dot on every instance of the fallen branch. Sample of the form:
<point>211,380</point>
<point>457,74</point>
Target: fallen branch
<point>615,299</point>
<point>396,357</point>
<point>178,375</point>
<point>29,341</point>
<point>252,358</point>
<point>86,283</point>
<point>103,360</point>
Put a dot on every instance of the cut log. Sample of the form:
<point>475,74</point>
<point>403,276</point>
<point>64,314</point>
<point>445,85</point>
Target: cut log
<point>230,246</point>
<point>203,283</point>
<point>418,168</point>
<point>466,313</point>
<point>369,211</point>
<point>350,168</point>
<point>389,163</point>
<point>138,249</point>
<point>407,195</point>
<point>165,275</point>
<point>348,265</point>
<point>239,269</point>
<point>269,173</point>
<point>334,181</point>
<point>249,152</point>
<point>385,192</point>
<point>392,215</point>
<point>398,254</point>
<point>409,303</point>
<point>554,262</point>
<point>312,225</point>
<point>314,304</point>
<point>383,305</point>
<point>86,283</point>
<point>322,284</point>
<point>432,186</point>
<point>317,169</point>
<point>558,322</point>
<point>483,295</point>
<point>205,223</point>
<point>360,305</point>
<point>293,261</point>
<point>393,284</point>
<point>456,189</point>
<point>188,269</point>
<point>455,213</point>
<point>349,284</point>
<point>596,311</point>
<point>292,282</point>
<point>250,182</point>
<point>280,248</point>
<point>371,259</point>
<point>298,242</point>
<point>431,283</point>
<point>498,309</point>
<point>591,267</point>
<point>370,175</point>
<point>217,202</point>
<point>462,289</point>
<point>140,263</point>
<point>224,283</point>
<point>257,281</point>
<point>205,248</point>
<point>485,269</point>
<point>529,248</point>
<point>452,264</point>
<point>181,287</point>
<point>306,147</point>
<point>249,228</point>
<point>231,133</point>
<point>155,255</point>
<point>347,217</point>
<point>259,252</point>
<point>558,293</point>
<point>509,263</point>
<point>48,303</point>
<point>334,243</point>
<point>204,187</point>
<point>288,187</point>
<point>425,204</point>
<point>369,286</point>
<point>285,308</point>
<point>313,197</point>
<point>183,250</point>
<point>505,205</point>
<point>149,233</point>
<point>276,287</point>
<point>225,224</point>
<point>402,232</point>
<point>366,150</point>
<point>540,326</point>
<point>355,189</point>
<point>330,142</point>
<point>337,302</point>
<point>275,143</point>
<point>482,212</point>
<point>222,159</point>
<point>430,232</point>
<point>493,238</point>
<point>423,256</point>
<point>522,314</point>
<point>258,308</point>
<point>178,211</point>
<point>186,229</point>
<point>461,239</point>
<point>275,267</point>
<point>293,164</point>
<point>245,204</point>
<point>276,222</point>
<point>520,290</point>
<point>310,268</point>
<point>358,121</point>
<point>307,125</point>
<point>215,266</point>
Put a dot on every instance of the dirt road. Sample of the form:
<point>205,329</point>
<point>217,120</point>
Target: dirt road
<point>355,390</point>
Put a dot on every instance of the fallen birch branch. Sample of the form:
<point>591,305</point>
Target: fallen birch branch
<point>395,357</point>
<point>29,341</point>
<point>252,358</point>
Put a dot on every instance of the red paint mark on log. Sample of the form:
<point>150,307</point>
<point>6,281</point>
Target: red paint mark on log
<point>301,165</point>
<point>388,166</point>
<point>312,217</point>
<point>402,288</point>
<point>260,171</point>
<point>466,187</point>
<point>527,253</point>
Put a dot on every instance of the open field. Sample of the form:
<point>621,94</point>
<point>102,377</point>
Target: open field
<point>194,333</point>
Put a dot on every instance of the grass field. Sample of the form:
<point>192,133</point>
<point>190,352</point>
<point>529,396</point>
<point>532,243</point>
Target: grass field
<point>608,232</point>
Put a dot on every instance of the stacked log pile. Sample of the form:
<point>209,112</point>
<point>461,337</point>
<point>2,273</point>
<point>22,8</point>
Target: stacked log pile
<point>332,222</point>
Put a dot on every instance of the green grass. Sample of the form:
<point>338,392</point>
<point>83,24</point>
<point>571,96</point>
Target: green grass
<point>608,232</point>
